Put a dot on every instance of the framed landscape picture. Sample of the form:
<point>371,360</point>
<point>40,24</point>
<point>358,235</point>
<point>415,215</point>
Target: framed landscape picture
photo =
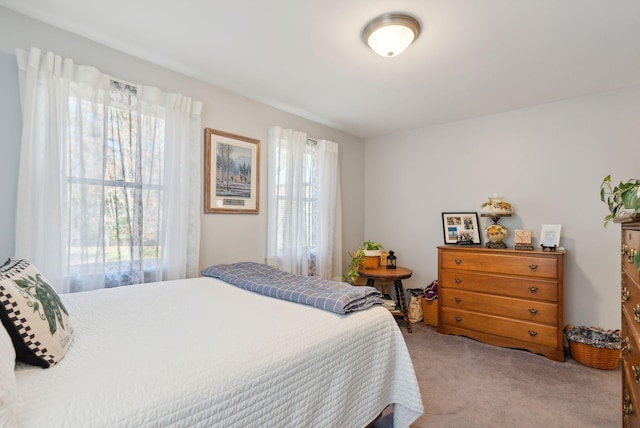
<point>232,173</point>
<point>461,228</point>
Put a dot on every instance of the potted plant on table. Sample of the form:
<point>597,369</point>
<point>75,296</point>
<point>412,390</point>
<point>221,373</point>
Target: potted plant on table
<point>367,256</point>
<point>372,253</point>
<point>623,199</point>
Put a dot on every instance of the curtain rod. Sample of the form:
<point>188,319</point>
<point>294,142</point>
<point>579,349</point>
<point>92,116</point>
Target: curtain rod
<point>312,141</point>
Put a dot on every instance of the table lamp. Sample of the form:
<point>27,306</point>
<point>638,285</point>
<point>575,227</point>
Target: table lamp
<point>495,209</point>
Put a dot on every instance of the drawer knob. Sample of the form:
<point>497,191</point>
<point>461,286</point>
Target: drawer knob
<point>636,313</point>
<point>627,408</point>
<point>457,280</point>
<point>533,267</point>
<point>533,333</point>
<point>533,290</point>
<point>533,311</point>
<point>458,261</point>
<point>458,319</point>
<point>623,249</point>
<point>626,346</point>
<point>625,294</point>
<point>636,373</point>
<point>631,254</point>
<point>457,299</point>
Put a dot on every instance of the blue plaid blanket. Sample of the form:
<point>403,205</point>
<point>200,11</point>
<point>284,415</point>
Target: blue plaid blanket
<point>338,297</point>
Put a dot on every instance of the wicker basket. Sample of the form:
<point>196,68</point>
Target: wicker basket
<point>370,262</point>
<point>592,356</point>
<point>430,311</point>
<point>599,358</point>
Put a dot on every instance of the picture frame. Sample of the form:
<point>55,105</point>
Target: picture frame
<point>461,228</point>
<point>232,173</point>
<point>550,235</point>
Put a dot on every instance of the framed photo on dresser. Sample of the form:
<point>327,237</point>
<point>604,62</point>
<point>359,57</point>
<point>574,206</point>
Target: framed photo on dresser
<point>550,235</point>
<point>461,228</point>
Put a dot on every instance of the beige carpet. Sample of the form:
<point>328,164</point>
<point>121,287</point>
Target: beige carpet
<point>465,383</point>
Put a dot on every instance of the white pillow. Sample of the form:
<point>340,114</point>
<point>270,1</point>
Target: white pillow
<point>8,386</point>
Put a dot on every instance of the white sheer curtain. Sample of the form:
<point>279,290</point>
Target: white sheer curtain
<point>304,233</point>
<point>108,188</point>
<point>329,243</point>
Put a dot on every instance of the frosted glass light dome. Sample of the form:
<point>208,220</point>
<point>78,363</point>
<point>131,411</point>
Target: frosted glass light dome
<point>391,40</point>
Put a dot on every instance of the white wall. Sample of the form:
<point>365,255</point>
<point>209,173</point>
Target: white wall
<point>10,128</point>
<point>225,237</point>
<point>547,161</point>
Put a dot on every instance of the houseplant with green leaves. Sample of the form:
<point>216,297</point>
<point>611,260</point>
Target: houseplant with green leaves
<point>352,271</point>
<point>621,199</point>
<point>371,248</point>
<point>367,249</point>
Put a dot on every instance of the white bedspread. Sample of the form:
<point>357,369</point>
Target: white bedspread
<point>201,352</point>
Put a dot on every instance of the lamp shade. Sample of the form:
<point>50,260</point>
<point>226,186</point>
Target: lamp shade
<point>391,34</point>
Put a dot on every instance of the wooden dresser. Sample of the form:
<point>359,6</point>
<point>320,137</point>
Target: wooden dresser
<point>504,297</point>
<point>630,331</point>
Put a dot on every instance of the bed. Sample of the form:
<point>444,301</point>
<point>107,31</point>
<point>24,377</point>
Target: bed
<point>202,352</point>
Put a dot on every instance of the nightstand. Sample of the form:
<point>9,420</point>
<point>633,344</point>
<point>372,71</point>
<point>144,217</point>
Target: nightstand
<point>396,275</point>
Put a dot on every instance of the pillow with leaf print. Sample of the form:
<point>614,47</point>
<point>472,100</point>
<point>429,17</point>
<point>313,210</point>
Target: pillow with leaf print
<point>33,314</point>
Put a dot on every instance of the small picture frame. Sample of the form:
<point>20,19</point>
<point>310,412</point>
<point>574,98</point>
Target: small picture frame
<point>550,235</point>
<point>461,228</point>
<point>522,239</point>
<point>232,173</point>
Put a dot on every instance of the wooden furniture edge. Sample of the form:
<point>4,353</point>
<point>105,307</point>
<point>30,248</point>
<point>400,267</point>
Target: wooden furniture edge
<point>549,352</point>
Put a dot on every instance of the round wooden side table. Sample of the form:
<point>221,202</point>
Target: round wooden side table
<point>396,275</point>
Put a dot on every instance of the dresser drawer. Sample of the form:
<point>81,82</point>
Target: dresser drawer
<point>630,269</point>
<point>631,244</point>
<point>631,341</point>
<point>525,288</point>
<point>630,368</point>
<point>537,266</point>
<point>630,409</point>
<point>524,331</point>
<point>528,310</point>
<point>630,296</point>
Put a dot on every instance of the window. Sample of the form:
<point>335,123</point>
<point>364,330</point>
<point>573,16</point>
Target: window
<point>304,204</point>
<point>114,174</point>
<point>304,199</point>
<point>109,184</point>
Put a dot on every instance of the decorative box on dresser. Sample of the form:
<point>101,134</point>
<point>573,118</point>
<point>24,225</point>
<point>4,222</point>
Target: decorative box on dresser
<point>630,332</point>
<point>505,297</point>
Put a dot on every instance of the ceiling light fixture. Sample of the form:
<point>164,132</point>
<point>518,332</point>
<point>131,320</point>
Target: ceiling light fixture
<point>390,34</point>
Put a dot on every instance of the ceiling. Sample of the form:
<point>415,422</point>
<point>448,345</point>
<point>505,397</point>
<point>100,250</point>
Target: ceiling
<point>473,57</point>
